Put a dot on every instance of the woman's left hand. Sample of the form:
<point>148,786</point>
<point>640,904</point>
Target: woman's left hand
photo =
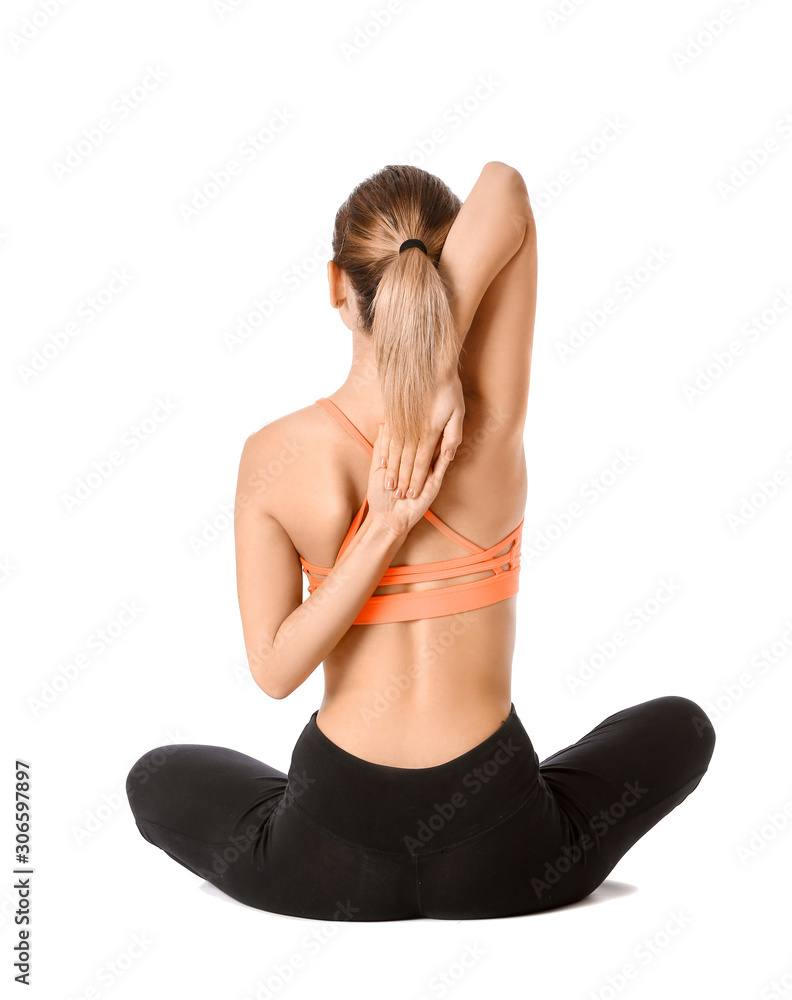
<point>408,465</point>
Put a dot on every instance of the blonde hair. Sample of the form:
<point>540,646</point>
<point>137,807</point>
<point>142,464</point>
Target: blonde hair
<point>402,299</point>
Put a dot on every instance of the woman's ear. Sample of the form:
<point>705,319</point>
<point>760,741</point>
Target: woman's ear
<point>335,281</point>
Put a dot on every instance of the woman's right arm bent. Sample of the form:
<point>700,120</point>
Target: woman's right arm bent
<point>489,266</point>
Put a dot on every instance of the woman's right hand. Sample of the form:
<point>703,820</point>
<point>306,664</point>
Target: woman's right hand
<point>399,515</point>
<point>409,463</point>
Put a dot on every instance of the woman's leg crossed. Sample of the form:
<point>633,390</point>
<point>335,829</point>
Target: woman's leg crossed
<point>624,776</point>
<point>237,823</point>
<point>206,806</point>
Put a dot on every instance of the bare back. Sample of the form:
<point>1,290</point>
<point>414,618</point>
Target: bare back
<point>390,686</point>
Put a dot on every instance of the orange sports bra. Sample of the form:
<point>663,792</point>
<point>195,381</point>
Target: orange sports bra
<point>436,602</point>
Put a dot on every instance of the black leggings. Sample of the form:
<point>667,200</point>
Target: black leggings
<point>492,833</point>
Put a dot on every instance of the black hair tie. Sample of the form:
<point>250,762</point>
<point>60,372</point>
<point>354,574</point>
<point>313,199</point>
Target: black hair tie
<point>413,243</point>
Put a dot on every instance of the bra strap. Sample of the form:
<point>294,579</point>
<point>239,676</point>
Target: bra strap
<point>346,423</point>
<point>429,514</point>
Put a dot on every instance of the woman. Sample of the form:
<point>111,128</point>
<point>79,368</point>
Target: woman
<point>414,790</point>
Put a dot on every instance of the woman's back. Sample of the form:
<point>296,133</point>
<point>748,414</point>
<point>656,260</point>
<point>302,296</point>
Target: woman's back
<point>413,693</point>
<point>417,693</point>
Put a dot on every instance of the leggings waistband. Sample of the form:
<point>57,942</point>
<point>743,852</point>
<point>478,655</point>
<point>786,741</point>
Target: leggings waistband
<point>412,810</point>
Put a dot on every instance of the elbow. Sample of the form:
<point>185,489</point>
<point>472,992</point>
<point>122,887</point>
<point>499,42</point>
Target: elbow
<point>498,166</point>
<point>510,176</point>
<point>272,690</point>
<point>510,186</point>
<point>271,686</point>
<point>265,672</point>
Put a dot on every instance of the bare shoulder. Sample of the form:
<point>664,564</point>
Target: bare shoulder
<point>278,447</point>
<point>276,431</point>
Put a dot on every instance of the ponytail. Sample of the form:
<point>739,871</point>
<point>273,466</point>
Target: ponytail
<point>414,339</point>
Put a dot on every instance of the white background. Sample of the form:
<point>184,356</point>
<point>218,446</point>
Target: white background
<point>178,672</point>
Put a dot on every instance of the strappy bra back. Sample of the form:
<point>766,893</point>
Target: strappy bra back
<point>450,600</point>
